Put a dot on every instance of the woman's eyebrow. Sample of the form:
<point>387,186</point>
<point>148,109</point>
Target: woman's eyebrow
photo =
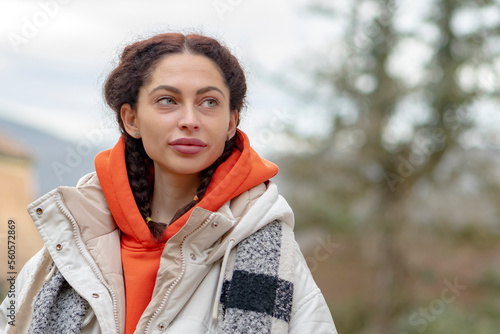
<point>166,87</point>
<point>178,91</point>
<point>207,89</point>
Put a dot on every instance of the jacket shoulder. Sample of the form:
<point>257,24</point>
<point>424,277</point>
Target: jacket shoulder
<point>88,179</point>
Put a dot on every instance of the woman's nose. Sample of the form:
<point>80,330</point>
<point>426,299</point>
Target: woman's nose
<point>189,119</point>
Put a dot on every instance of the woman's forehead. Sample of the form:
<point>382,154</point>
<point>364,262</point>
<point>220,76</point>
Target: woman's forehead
<point>181,69</point>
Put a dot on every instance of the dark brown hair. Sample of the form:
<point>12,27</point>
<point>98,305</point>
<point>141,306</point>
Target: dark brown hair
<point>137,63</point>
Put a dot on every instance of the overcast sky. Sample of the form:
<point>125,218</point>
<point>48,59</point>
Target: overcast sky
<point>55,54</point>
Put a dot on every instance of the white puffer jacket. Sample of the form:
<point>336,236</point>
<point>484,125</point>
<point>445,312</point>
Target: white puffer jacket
<point>83,242</point>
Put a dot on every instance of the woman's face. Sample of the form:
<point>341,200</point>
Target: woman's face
<point>182,114</point>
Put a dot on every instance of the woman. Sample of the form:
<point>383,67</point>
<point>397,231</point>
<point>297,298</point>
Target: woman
<point>179,230</point>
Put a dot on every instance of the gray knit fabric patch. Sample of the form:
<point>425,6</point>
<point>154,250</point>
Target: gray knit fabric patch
<point>260,252</point>
<point>247,322</point>
<point>58,308</point>
<point>256,294</point>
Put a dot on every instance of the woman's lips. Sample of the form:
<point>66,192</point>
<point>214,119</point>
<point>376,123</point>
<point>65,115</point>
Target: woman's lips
<point>188,145</point>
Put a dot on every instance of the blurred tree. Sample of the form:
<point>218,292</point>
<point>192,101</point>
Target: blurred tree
<point>402,97</point>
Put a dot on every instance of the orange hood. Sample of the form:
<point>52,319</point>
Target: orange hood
<point>239,173</point>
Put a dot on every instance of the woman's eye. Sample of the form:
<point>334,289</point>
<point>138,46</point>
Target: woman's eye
<point>166,100</point>
<point>209,103</point>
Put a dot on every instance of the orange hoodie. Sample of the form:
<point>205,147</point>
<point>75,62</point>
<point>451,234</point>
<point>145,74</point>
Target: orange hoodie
<point>140,252</point>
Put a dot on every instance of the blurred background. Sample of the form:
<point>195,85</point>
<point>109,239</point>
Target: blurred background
<point>381,114</point>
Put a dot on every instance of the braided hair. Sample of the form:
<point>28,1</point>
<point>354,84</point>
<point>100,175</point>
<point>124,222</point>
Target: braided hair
<point>137,63</point>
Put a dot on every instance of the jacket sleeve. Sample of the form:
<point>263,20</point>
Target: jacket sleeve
<point>310,313</point>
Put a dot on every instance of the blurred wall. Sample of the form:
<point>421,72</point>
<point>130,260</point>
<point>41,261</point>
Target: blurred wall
<point>16,192</point>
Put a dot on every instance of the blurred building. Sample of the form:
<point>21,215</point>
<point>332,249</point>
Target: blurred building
<point>17,189</point>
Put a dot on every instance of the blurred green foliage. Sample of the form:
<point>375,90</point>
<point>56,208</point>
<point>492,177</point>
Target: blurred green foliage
<point>407,177</point>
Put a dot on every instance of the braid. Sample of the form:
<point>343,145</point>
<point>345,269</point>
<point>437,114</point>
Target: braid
<point>138,174</point>
<point>137,162</point>
<point>206,175</point>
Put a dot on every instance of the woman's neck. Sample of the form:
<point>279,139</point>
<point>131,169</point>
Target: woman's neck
<point>171,192</point>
